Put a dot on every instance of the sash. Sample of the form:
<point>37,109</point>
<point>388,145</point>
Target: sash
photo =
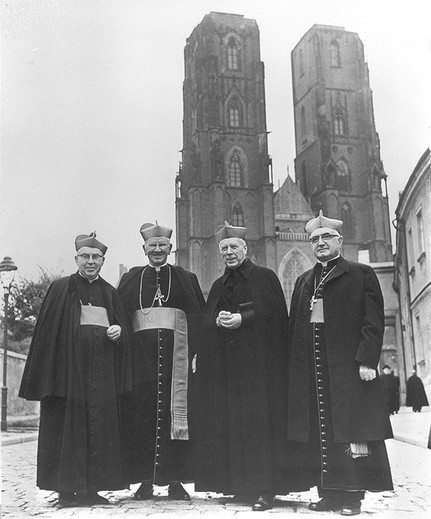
<point>176,320</point>
<point>94,316</point>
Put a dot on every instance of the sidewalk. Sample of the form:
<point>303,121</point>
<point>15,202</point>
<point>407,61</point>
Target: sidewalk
<point>410,427</point>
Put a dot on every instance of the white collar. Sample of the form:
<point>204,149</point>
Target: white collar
<point>325,263</point>
<point>89,280</point>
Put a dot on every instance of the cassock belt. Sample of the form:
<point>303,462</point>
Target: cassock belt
<point>176,320</point>
<point>94,315</point>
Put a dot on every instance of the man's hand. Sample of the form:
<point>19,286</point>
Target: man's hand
<point>113,332</point>
<point>228,320</point>
<point>367,373</point>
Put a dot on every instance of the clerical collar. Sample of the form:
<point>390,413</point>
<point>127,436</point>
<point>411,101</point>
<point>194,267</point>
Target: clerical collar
<point>157,266</point>
<point>89,280</point>
<point>244,269</point>
<point>330,263</point>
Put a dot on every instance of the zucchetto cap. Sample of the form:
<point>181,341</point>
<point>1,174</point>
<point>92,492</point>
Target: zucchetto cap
<point>323,224</point>
<point>229,231</point>
<point>149,230</point>
<point>89,240</point>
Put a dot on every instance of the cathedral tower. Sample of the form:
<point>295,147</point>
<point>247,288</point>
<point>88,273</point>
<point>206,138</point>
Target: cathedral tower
<point>225,169</point>
<point>337,165</point>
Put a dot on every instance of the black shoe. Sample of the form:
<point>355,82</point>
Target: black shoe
<point>67,499</point>
<point>264,502</point>
<point>353,508</point>
<point>177,492</point>
<point>323,505</point>
<point>93,498</point>
<point>145,491</point>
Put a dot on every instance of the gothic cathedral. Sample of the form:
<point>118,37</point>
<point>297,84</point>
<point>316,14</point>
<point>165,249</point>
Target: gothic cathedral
<point>226,172</point>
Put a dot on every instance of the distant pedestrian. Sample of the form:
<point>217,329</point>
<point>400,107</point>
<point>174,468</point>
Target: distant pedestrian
<point>77,366</point>
<point>390,387</point>
<point>416,396</point>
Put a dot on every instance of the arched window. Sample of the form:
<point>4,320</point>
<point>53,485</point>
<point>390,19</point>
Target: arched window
<point>342,176</point>
<point>346,217</point>
<point>339,125</point>
<point>301,62</point>
<point>303,133</point>
<point>294,266</point>
<point>237,215</point>
<point>234,114</point>
<point>232,54</point>
<point>334,52</point>
<point>235,170</point>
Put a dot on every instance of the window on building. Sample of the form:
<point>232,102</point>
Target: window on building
<point>234,114</point>
<point>364,256</point>
<point>342,176</point>
<point>335,54</point>
<point>410,251</point>
<point>347,219</point>
<point>237,215</point>
<point>301,63</point>
<point>419,343</point>
<point>303,128</point>
<point>235,170</point>
<point>421,236</point>
<point>339,125</point>
<point>294,268</point>
<point>232,55</point>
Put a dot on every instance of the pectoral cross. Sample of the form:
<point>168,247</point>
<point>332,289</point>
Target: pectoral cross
<point>159,296</point>
<point>312,301</point>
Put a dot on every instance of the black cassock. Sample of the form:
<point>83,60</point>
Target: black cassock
<point>77,373</point>
<point>324,371</point>
<point>242,386</point>
<point>151,453</point>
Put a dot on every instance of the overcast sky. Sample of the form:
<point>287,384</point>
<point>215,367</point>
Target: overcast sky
<point>92,110</point>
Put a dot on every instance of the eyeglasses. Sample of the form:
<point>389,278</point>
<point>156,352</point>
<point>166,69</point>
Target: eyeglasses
<point>86,257</point>
<point>161,245</point>
<point>325,237</point>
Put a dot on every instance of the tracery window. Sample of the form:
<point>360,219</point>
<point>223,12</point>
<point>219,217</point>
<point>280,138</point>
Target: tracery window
<point>292,270</point>
<point>346,217</point>
<point>334,52</point>
<point>232,54</point>
<point>237,215</point>
<point>339,128</point>
<point>234,115</point>
<point>342,176</point>
<point>301,62</point>
<point>235,170</point>
<point>303,132</point>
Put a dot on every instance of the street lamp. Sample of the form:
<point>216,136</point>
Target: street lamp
<point>7,274</point>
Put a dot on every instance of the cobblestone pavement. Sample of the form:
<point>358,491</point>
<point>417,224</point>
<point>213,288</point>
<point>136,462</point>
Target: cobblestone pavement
<point>411,467</point>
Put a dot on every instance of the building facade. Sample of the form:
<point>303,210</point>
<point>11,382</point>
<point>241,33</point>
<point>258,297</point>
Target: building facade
<point>226,171</point>
<point>337,165</point>
<point>413,272</point>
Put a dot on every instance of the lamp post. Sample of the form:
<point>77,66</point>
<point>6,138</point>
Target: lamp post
<point>7,274</point>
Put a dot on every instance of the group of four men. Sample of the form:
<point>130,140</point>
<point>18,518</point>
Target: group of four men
<point>148,384</point>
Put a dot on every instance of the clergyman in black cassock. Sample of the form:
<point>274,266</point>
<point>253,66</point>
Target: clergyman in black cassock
<point>337,417</point>
<point>241,372</point>
<point>163,304</point>
<point>78,366</point>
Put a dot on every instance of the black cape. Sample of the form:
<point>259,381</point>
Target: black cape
<point>241,383</point>
<point>78,376</point>
<point>416,396</point>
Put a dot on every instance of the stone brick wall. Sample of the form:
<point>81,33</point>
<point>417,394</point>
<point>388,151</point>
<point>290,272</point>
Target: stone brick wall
<point>17,406</point>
